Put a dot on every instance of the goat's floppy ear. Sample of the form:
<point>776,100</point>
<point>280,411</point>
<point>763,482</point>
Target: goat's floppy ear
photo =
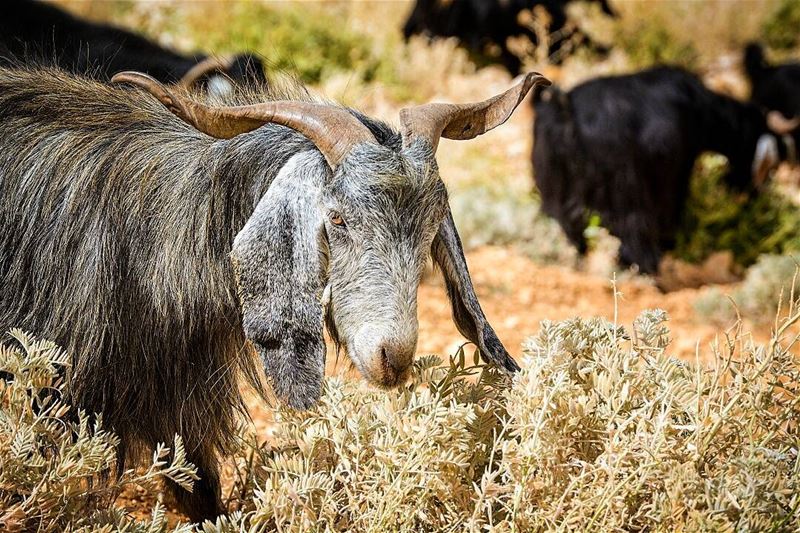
<point>280,281</point>
<point>467,312</point>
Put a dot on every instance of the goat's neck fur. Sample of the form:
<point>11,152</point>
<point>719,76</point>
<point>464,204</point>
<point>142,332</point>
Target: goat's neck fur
<point>734,127</point>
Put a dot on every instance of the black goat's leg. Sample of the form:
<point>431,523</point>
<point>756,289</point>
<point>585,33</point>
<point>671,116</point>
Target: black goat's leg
<point>204,502</point>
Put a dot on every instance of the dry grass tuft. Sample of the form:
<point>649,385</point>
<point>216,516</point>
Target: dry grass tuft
<point>55,465</point>
<point>769,287</point>
<point>491,215</point>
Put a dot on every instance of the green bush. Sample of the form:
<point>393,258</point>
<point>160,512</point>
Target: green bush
<point>717,219</point>
<point>649,42</point>
<point>312,43</point>
<point>768,284</point>
<point>56,470</point>
<point>780,29</point>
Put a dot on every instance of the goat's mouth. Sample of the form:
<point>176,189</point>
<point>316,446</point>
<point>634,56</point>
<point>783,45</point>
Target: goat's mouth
<point>379,368</point>
<point>391,378</point>
<point>388,378</point>
<point>378,371</point>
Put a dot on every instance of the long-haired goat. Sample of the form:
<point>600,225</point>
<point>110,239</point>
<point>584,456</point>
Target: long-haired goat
<point>33,30</point>
<point>483,26</point>
<point>776,90</point>
<point>159,240</point>
<point>624,147</point>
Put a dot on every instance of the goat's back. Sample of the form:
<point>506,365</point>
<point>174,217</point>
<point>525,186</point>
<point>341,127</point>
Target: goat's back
<point>115,224</point>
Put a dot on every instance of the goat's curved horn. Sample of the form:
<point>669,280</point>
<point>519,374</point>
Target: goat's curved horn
<point>333,130</point>
<point>780,124</point>
<point>465,121</point>
<point>204,68</point>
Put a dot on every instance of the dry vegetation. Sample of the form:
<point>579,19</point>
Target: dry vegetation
<point>603,430</point>
<point>55,464</point>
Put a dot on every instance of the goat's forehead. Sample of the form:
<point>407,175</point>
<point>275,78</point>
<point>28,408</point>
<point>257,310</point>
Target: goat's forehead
<point>399,191</point>
<point>371,164</point>
<point>378,178</point>
<point>398,180</point>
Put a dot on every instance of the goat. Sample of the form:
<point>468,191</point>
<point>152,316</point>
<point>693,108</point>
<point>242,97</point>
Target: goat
<point>34,31</point>
<point>624,147</point>
<point>161,241</point>
<point>775,89</point>
<point>483,24</point>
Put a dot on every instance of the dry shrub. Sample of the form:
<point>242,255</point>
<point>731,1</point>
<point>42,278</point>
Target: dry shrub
<point>601,431</point>
<point>56,466</point>
<point>367,460</point>
<point>613,435</point>
<point>501,214</point>
<point>773,282</point>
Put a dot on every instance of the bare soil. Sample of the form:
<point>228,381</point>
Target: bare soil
<point>517,294</point>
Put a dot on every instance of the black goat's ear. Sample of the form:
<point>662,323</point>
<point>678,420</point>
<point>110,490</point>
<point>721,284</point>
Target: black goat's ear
<point>467,313</point>
<point>280,280</point>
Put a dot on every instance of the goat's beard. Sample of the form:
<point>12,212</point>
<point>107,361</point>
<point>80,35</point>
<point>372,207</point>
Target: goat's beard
<point>330,325</point>
<point>339,346</point>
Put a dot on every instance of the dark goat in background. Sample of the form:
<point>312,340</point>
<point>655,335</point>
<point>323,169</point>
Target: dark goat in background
<point>776,89</point>
<point>480,24</point>
<point>164,252</point>
<point>35,31</point>
<point>624,147</point>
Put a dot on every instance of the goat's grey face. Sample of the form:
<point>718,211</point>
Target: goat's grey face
<point>349,243</point>
<point>382,211</point>
<point>344,232</point>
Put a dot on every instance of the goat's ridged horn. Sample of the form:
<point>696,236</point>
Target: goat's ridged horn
<point>465,121</point>
<point>333,130</point>
<point>780,124</point>
<point>204,68</point>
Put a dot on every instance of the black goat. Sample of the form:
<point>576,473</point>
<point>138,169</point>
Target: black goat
<point>776,89</point>
<point>32,30</point>
<point>624,147</point>
<point>482,24</point>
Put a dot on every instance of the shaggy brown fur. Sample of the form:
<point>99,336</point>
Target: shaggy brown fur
<point>142,209</point>
<point>121,226</point>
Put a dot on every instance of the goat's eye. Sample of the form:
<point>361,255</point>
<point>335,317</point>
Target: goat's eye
<point>336,219</point>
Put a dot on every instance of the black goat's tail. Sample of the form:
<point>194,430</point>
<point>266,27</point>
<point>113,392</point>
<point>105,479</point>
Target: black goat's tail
<point>754,61</point>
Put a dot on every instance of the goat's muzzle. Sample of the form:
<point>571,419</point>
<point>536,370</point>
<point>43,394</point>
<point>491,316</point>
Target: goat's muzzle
<point>384,359</point>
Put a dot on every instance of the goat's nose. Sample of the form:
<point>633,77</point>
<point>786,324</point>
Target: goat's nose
<point>395,360</point>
